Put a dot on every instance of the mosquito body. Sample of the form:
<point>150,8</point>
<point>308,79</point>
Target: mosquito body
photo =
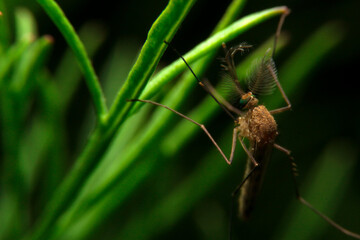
<point>261,135</point>
<point>254,122</point>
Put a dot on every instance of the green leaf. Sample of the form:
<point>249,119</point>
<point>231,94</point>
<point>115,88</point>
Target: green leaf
<point>59,18</point>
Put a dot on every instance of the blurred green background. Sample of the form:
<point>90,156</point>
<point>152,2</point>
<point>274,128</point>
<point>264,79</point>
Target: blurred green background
<point>173,192</point>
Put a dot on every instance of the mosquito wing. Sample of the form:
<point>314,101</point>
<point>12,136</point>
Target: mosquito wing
<point>260,77</point>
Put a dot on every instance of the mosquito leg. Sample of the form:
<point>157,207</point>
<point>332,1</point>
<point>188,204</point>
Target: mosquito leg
<point>306,203</point>
<point>294,170</point>
<point>200,82</point>
<point>278,30</point>
<point>221,99</point>
<point>214,95</point>
<point>256,165</point>
<point>273,73</point>
<point>233,145</point>
<point>237,189</point>
<point>200,125</point>
<point>282,109</point>
<point>248,152</point>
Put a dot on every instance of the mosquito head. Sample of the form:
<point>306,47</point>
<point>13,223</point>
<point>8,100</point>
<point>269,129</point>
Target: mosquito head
<point>248,101</point>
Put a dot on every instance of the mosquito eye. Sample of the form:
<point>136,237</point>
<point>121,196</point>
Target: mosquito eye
<point>243,102</point>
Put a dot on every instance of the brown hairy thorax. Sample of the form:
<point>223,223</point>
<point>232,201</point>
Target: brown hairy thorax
<point>258,125</point>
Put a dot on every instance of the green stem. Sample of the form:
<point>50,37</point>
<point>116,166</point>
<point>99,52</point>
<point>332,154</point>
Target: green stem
<point>59,18</point>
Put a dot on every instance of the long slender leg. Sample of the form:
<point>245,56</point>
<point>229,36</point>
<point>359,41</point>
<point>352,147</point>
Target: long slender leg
<point>273,73</point>
<point>248,152</point>
<point>228,161</point>
<point>233,145</point>
<point>237,189</point>
<point>256,165</point>
<point>278,30</point>
<point>220,98</point>
<point>294,170</point>
<point>306,203</point>
<point>282,109</point>
<point>200,82</point>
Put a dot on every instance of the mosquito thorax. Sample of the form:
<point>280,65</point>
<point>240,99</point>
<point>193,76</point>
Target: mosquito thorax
<point>257,125</point>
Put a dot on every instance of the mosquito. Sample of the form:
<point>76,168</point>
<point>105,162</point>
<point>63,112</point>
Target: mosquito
<point>254,122</point>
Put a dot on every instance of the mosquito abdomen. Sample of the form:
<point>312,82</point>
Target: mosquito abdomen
<point>251,188</point>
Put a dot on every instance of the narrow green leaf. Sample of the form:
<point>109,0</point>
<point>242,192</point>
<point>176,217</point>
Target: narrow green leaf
<point>59,18</point>
<point>25,24</point>
<point>29,64</point>
<point>44,132</point>
<point>67,75</point>
<point>11,56</point>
